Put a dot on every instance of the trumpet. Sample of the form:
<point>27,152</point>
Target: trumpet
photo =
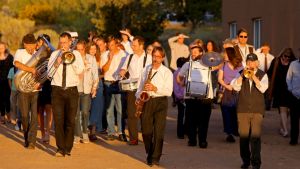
<point>248,73</point>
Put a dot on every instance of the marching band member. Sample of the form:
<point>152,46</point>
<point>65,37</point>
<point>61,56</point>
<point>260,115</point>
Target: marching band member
<point>198,110</point>
<point>28,101</point>
<point>251,84</point>
<point>159,85</point>
<point>65,94</point>
<point>134,64</point>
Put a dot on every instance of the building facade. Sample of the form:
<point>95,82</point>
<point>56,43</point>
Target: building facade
<point>274,22</point>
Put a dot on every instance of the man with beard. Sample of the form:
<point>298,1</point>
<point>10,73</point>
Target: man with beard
<point>198,107</point>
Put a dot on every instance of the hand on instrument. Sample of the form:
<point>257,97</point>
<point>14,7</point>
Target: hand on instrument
<point>150,87</point>
<point>122,73</point>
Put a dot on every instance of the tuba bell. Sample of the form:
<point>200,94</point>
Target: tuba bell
<point>27,82</point>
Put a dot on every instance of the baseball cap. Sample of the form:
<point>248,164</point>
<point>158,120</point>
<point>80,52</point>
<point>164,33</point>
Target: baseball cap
<point>251,57</point>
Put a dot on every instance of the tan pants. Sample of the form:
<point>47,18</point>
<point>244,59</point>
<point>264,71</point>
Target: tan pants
<point>250,122</point>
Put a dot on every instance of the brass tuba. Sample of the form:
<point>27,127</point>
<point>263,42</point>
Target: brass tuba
<point>27,82</point>
<point>144,97</point>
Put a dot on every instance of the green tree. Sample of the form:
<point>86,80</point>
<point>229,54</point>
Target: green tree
<point>13,30</point>
<point>143,17</point>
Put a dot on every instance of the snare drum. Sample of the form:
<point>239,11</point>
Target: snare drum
<point>128,85</point>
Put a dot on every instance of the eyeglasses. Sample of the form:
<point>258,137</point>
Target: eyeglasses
<point>243,36</point>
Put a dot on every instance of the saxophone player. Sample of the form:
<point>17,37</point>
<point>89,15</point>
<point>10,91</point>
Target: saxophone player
<point>153,118</point>
<point>27,101</point>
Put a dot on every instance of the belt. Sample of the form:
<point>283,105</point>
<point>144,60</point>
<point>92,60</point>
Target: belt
<point>65,88</point>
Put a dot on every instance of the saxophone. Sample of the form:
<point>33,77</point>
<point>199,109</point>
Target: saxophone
<point>144,97</point>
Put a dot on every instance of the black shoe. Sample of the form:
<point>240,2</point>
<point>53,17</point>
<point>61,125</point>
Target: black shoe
<point>59,153</point>
<point>92,137</point>
<point>122,137</point>
<point>26,144</point>
<point>31,146</point>
<point>230,139</point>
<point>293,143</point>
<point>192,144</point>
<point>180,137</point>
<point>68,153</point>
<point>245,166</point>
<point>203,145</point>
<point>149,162</point>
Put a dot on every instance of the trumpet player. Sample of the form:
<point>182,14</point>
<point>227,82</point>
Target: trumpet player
<point>64,93</point>
<point>28,101</point>
<point>159,85</point>
<point>251,85</point>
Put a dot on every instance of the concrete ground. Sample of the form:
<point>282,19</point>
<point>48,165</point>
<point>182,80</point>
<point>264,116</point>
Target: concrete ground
<point>103,154</point>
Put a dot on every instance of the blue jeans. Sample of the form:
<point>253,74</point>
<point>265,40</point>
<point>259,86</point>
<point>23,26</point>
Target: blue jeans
<point>229,115</point>
<point>84,104</point>
<point>97,108</point>
<point>113,101</point>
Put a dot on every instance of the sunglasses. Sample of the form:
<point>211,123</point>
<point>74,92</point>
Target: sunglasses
<point>243,36</point>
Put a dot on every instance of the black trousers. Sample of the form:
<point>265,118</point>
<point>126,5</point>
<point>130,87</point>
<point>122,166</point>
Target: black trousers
<point>153,121</point>
<point>295,116</point>
<point>64,105</point>
<point>198,113</point>
<point>181,123</point>
<point>28,109</point>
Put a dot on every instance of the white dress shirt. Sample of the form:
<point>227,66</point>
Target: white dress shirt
<point>293,78</point>
<point>135,68</point>
<point>163,80</point>
<point>89,79</point>
<point>104,58</point>
<point>177,50</point>
<point>244,51</point>
<point>22,56</point>
<point>72,72</point>
<point>127,46</point>
<point>199,73</point>
<point>112,73</point>
<point>263,84</point>
<point>261,58</point>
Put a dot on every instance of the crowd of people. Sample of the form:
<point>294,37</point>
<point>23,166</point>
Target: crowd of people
<point>103,85</point>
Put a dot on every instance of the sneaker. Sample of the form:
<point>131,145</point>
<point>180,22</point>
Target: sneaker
<point>85,138</point>
<point>17,127</point>
<point>46,138</point>
<point>76,140</point>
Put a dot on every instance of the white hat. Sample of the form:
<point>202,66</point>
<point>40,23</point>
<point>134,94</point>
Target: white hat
<point>73,34</point>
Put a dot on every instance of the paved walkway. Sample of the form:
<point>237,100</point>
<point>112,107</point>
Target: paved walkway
<point>276,152</point>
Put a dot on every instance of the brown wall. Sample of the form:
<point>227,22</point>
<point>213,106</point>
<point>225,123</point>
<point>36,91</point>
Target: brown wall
<point>280,21</point>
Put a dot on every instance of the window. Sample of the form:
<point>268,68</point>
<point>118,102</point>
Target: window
<point>232,29</point>
<point>257,32</point>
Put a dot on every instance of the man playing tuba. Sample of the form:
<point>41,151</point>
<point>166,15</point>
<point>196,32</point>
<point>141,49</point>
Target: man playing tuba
<point>28,100</point>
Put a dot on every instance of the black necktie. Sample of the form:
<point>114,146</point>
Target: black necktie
<point>266,63</point>
<point>64,75</point>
